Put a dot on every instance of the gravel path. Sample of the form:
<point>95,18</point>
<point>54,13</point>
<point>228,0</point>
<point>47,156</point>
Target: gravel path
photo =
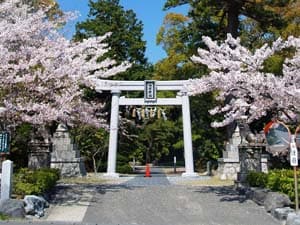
<point>157,201</point>
<point>152,201</point>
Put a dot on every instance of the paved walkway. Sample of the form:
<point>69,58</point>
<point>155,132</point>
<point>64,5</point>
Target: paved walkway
<point>158,200</point>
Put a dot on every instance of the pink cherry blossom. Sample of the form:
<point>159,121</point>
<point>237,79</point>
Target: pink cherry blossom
<point>40,70</point>
<point>236,73</point>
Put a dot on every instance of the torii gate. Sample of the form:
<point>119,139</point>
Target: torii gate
<point>149,88</point>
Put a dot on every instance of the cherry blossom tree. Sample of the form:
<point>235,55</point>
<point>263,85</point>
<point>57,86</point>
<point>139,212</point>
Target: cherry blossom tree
<point>237,74</point>
<point>41,71</point>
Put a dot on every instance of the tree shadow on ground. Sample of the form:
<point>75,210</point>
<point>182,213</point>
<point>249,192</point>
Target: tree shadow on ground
<point>79,194</point>
<point>227,193</point>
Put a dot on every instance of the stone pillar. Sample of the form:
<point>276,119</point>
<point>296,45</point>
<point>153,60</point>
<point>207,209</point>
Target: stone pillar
<point>187,137</point>
<point>113,135</point>
<point>229,165</point>
<point>250,160</point>
<point>39,154</point>
<point>264,163</point>
<point>6,179</point>
<point>65,155</point>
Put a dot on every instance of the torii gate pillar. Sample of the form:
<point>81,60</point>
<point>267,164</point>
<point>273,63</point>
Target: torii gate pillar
<point>187,137</point>
<point>113,136</point>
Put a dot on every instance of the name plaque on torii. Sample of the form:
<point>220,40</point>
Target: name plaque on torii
<point>150,88</point>
<point>149,91</point>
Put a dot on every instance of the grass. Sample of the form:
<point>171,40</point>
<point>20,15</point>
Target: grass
<point>4,217</point>
<point>90,178</point>
<point>213,181</point>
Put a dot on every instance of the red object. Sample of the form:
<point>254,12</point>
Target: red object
<point>268,126</point>
<point>147,172</point>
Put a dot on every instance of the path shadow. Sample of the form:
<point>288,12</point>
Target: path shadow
<point>227,193</point>
<point>70,194</point>
<point>79,194</point>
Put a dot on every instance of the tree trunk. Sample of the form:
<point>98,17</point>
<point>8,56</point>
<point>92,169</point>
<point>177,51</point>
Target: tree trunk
<point>94,161</point>
<point>233,11</point>
<point>148,152</point>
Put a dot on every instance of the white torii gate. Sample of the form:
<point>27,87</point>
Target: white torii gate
<point>116,87</point>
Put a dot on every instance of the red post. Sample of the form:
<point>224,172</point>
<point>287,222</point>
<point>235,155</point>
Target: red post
<point>147,172</point>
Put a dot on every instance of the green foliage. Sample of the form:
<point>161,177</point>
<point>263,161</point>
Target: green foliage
<point>256,179</point>
<point>93,145</point>
<point>157,138</point>
<point>125,169</point>
<point>216,18</point>
<point>109,16</point>
<point>207,141</point>
<point>3,216</point>
<point>208,151</point>
<point>27,182</point>
<point>20,144</point>
<point>126,42</point>
<point>282,181</point>
<point>276,180</point>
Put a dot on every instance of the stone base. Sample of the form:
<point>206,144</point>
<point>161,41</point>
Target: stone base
<point>242,177</point>
<point>228,168</point>
<point>190,175</point>
<point>70,169</point>
<point>111,175</point>
<point>37,160</point>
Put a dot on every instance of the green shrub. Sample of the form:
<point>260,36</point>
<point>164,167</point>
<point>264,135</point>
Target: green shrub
<point>257,179</point>
<point>125,168</point>
<point>3,216</point>
<point>27,182</point>
<point>282,181</point>
<point>276,180</point>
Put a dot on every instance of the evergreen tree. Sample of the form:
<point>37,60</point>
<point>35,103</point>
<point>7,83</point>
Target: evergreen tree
<point>225,15</point>
<point>125,43</point>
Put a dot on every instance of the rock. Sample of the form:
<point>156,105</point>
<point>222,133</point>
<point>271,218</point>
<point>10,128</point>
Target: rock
<point>241,189</point>
<point>276,200</point>
<point>282,213</point>
<point>259,195</point>
<point>13,208</point>
<point>293,219</point>
<point>35,205</point>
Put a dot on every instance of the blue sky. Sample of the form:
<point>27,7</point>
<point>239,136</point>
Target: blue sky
<point>148,11</point>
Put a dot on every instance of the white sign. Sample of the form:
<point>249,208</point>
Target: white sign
<point>293,153</point>
<point>150,91</point>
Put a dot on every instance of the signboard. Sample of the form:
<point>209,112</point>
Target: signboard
<point>293,154</point>
<point>4,142</point>
<point>150,91</point>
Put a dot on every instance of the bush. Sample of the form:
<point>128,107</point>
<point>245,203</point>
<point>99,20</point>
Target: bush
<point>37,182</point>
<point>276,180</point>
<point>125,168</point>
<point>257,179</point>
<point>282,181</point>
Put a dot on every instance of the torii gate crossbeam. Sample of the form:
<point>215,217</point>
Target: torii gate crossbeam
<point>116,87</point>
